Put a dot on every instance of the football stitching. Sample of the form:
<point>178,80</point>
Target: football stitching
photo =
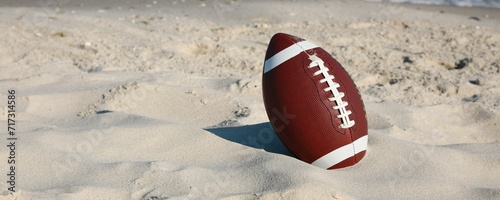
<point>325,106</point>
<point>333,88</point>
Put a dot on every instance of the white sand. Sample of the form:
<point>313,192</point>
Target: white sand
<point>163,100</point>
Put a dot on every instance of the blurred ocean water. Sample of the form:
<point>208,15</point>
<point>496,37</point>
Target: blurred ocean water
<point>464,3</point>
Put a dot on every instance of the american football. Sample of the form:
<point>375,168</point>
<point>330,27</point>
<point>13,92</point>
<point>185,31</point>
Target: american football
<point>313,104</point>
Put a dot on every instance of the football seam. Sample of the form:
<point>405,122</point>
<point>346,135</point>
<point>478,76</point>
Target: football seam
<point>333,86</point>
<point>310,77</point>
<point>314,46</point>
<point>327,107</point>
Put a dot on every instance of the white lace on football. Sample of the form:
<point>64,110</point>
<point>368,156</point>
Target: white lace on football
<point>332,87</point>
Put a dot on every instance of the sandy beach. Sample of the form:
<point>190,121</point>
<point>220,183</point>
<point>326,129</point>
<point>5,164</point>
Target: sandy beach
<point>163,100</point>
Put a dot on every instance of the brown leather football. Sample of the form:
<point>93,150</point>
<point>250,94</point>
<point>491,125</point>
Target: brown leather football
<point>313,104</point>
